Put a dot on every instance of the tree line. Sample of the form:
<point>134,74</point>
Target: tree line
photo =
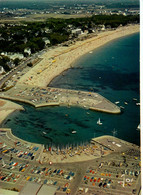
<point>16,38</point>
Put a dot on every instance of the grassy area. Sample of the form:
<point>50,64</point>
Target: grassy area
<point>42,17</point>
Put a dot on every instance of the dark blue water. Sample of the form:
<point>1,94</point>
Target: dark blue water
<point>112,71</point>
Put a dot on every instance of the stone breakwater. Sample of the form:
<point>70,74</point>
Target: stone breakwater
<point>39,97</point>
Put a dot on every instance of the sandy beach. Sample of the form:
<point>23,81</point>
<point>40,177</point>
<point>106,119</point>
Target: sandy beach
<point>59,59</point>
<point>6,108</point>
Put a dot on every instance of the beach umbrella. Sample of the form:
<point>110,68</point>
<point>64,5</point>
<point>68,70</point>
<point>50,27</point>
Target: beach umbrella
<point>50,163</point>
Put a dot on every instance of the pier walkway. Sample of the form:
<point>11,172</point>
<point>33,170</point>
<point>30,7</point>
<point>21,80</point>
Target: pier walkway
<point>39,97</point>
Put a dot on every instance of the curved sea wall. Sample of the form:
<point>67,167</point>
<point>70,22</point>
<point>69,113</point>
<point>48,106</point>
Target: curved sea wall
<point>60,97</point>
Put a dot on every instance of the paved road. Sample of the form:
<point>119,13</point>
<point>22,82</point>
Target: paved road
<point>21,66</point>
<point>14,71</point>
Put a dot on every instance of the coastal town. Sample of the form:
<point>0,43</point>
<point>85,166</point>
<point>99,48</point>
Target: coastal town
<point>53,168</point>
<point>28,53</point>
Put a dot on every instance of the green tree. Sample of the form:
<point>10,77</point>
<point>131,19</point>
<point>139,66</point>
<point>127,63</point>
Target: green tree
<point>16,61</point>
<point>30,64</point>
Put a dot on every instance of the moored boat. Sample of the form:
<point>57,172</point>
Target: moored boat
<point>139,127</point>
<point>73,132</point>
<point>99,122</point>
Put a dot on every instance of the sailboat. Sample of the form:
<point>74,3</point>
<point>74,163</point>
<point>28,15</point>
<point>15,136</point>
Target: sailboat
<point>138,127</point>
<point>99,122</point>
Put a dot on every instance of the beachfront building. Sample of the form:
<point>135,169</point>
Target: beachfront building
<point>13,56</point>
<point>77,31</point>
<point>27,51</point>
<point>46,40</point>
<point>16,55</point>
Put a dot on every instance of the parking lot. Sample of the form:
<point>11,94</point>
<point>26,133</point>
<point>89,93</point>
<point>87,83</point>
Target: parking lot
<point>117,175</point>
<point>116,172</point>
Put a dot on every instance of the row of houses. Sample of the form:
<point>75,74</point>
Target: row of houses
<point>79,31</point>
<point>75,32</point>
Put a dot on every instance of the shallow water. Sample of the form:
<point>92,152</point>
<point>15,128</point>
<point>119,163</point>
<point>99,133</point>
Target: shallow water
<point>112,71</point>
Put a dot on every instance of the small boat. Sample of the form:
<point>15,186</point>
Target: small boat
<point>99,122</point>
<point>134,99</point>
<point>44,132</point>
<point>138,104</point>
<point>139,127</point>
<point>126,103</point>
<point>91,52</point>
<point>122,107</point>
<point>117,102</point>
<point>73,132</point>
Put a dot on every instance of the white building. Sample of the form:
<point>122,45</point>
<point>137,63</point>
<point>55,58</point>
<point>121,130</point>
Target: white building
<point>28,51</point>
<point>77,31</point>
<point>16,55</point>
<point>46,40</point>
<point>13,56</point>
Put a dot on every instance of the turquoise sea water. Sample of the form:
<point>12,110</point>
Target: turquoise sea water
<point>111,70</point>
